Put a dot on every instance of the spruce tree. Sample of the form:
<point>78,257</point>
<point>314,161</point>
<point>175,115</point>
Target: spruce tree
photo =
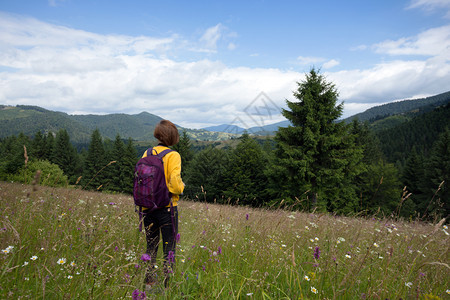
<point>49,146</point>
<point>95,163</point>
<point>378,185</point>
<point>12,155</point>
<point>66,156</point>
<point>244,178</point>
<point>436,180</point>
<point>38,146</point>
<point>379,190</point>
<point>118,175</point>
<point>204,178</point>
<point>184,148</point>
<point>413,174</point>
<point>129,162</point>
<point>316,156</point>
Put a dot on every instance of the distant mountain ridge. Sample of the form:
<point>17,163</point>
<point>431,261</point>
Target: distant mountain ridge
<point>257,130</point>
<point>29,119</point>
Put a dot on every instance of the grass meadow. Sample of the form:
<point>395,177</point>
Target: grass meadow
<point>62,243</point>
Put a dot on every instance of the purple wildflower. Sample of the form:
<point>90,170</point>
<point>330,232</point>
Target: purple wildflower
<point>317,252</point>
<point>246,217</point>
<point>138,295</point>
<point>219,250</point>
<point>116,248</point>
<point>112,203</point>
<point>145,257</point>
<point>171,257</point>
<point>135,294</point>
<point>177,238</point>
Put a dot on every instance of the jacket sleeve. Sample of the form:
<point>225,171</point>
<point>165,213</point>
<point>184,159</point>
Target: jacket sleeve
<point>175,183</point>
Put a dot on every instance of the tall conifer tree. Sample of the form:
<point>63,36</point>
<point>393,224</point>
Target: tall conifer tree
<point>49,146</point>
<point>437,177</point>
<point>244,178</point>
<point>117,176</point>
<point>204,178</point>
<point>65,156</point>
<point>38,146</point>
<point>95,162</point>
<point>184,148</point>
<point>130,160</point>
<point>316,156</point>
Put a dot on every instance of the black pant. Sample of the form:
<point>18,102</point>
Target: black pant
<point>159,222</point>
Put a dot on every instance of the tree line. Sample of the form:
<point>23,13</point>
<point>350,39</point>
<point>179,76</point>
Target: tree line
<point>315,164</point>
<point>105,165</point>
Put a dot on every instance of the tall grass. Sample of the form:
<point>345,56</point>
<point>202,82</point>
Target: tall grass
<point>66,243</point>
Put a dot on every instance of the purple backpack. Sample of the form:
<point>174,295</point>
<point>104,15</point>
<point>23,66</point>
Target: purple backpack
<point>150,189</point>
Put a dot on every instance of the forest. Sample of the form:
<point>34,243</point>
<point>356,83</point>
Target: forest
<point>316,164</point>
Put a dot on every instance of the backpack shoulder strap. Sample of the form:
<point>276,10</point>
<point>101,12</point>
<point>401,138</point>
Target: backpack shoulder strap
<point>152,151</point>
<point>163,153</point>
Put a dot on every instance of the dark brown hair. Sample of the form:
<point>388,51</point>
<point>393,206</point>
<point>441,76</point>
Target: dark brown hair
<point>166,132</point>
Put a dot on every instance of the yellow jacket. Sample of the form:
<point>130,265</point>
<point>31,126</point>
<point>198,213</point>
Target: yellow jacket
<point>172,171</point>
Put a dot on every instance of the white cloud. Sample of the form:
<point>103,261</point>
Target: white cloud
<point>55,3</point>
<point>359,48</point>
<point>231,46</point>
<point>309,60</point>
<point>432,42</point>
<point>330,64</point>
<point>428,73</point>
<point>211,36</point>
<point>432,5</point>
<point>392,80</point>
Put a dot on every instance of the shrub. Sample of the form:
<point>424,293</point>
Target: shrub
<point>51,174</point>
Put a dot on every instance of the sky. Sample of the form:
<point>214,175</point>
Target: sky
<point>205,63</point>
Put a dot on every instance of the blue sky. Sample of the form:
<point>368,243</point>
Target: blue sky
<point>202,63</point>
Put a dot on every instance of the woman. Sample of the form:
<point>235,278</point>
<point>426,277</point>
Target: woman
<point>164,221</point>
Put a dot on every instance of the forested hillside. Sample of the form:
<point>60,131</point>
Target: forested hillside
<point>419,133</point>
<point>30,119</point>
<point>401,107</point>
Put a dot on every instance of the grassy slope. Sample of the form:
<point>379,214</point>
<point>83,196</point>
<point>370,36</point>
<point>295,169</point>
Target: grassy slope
<point>264,254</point>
